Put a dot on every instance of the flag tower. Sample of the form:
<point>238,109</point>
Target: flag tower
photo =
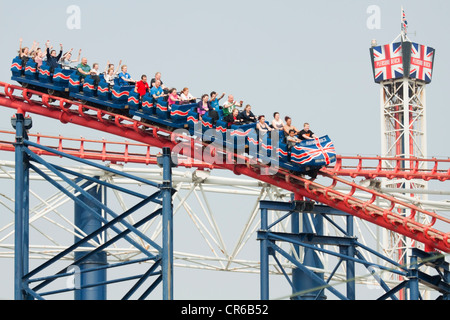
<point>403,69</point>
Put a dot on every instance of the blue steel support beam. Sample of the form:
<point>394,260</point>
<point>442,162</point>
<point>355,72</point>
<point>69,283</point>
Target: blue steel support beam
<point>307,284</point>
<point>302,281</point>
<point>295,229</point>
<point>414,279</point>
<point>350,251</point>
<point>264,256</point>
<point>89,163</point>
<point>439,282</point>
<point>316,243</point>
<point>310,242</point>
<point>165,161</point>
<point>81,242</point>
<point>87,222</point>
<point>446,279</point>
<point>21,227</point>
<point>315,279</point>
<point>89,218</point>
<point>81,191</point>
<point>105,227</point>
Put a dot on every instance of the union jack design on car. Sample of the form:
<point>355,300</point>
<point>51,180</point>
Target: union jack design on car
<point>317,151</point>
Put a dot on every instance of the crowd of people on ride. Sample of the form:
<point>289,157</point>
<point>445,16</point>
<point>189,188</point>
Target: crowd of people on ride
<point>234,112</point>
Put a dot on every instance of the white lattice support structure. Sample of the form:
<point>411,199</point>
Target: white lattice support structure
<point>403,134</point>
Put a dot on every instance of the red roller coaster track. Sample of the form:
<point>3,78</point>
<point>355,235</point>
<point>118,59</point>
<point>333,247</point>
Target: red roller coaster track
<point>372,167</point>
<point>101,150</point>
<point>68,111</point>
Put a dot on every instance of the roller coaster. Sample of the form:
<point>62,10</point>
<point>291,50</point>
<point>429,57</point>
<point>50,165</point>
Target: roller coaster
<point>305,157</point>
<point>68,111</point>
<point>62,96</point>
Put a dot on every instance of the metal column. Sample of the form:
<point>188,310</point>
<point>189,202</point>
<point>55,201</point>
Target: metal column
<point>414,278</point>
<point>92,220</point>
<point>350,251</point>
<point>301,280</point>
<point>264,254</point>
<point>21,237</point>
<point>89,223</point>
<point>165,161</point>
<point>306,245</point>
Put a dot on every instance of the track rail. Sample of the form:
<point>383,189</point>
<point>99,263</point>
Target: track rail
<point>101,150</point>
<point>68,111</point>
<point>391,168</point>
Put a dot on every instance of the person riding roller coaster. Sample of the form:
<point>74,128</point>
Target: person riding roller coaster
<point>142,87</point>
<point>123,96</point>
<point>52,58</point>
<point>306,133</point>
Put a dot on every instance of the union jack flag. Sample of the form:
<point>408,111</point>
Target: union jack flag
<point>422,58</point>
<point>404,22</point>
<point>388,61</point>
<point>314,152</point>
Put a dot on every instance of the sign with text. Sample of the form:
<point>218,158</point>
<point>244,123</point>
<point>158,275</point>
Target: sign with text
<point>402,59</point>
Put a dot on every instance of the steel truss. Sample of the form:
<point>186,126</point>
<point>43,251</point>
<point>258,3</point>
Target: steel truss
<point>195,205</point>
<point>306,245</point>
<point>95,219</point>
<point>404,135</point>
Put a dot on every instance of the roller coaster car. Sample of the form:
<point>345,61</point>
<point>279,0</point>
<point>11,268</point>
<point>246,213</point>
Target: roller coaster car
<point>99,95</point>
<point>40,79</point>
<point>158,111</point>
<point>307,157</point>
